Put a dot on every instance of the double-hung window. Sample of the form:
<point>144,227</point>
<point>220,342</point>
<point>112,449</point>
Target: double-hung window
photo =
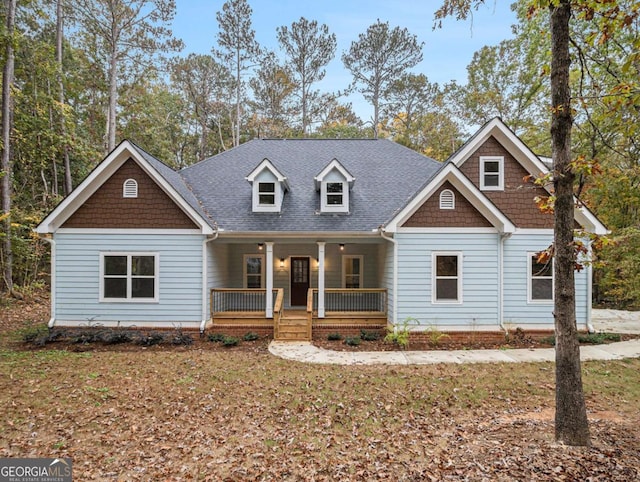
<point>267,193</point>
<point>492,173</point>
<point>447,277</point>
<point>540,280</point>
<point>335,194</point>
<point>129,277</point>
<point>253,270</point>
<point>352,271</point>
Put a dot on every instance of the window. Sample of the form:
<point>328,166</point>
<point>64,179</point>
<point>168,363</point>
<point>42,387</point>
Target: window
<point>447,277</point>
<point>266,193</point>
<point>253,271</point>
<point>129,277</point>
<point>352,268</point>
<point>130,188</point>
<point>492,173</point>
<point>447,199</point>
<point>540,280</point>
<point>334,193</point>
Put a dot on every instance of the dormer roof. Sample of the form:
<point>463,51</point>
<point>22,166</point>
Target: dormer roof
<point>334,165</point>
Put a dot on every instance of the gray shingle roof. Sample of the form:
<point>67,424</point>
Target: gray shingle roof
<point>387,176</point>
<point>175,180</point>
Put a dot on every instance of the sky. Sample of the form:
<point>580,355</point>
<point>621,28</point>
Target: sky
<point>446,52</point>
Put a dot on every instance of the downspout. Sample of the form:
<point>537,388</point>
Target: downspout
<point>205,298</point>
<point>49,239</point>
<point>395,273</point>
<point>589,324</point>
<point>503,238</point>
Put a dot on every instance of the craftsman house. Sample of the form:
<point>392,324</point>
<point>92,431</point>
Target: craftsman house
<point>295,235</point>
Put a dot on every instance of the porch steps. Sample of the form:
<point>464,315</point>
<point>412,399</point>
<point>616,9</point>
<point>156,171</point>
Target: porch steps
<point>293,328</point>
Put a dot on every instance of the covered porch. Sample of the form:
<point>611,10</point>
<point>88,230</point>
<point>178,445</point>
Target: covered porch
<point>292,289</point>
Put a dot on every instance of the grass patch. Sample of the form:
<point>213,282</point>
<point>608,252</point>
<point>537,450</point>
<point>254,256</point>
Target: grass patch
<point>588,338</point>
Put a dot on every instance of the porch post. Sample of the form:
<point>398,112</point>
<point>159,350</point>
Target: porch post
<point>269,283</point>
<point>321,245</point>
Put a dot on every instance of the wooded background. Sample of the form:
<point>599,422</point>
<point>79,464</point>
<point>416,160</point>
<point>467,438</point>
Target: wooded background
<point>89,73</point>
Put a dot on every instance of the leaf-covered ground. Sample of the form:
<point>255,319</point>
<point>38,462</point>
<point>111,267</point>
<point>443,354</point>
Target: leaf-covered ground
<point>198,414</point>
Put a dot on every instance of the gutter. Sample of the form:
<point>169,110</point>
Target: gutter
<point>49,239</point>
<point>503,238</point>
<point>206,241</point>
<point>395,272</point>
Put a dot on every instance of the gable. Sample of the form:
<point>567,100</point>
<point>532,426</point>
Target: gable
<point>151,209</point>
<point>429,214</point>
<point>516,201</point>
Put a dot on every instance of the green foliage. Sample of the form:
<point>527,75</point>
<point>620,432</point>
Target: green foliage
<point>250,336</point>
<point>334,336</point>
<point>399,335</point>
<point>590,338</point>
<point>434,335</point>
<point>369,335</point>
<point>230,341</point>
<point>216,337</point>
<point>618,269</point>
<point>352,340</point>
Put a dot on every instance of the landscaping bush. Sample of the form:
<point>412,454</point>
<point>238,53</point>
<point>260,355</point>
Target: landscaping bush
<point>216,337</point>
<point>334,336</point>
<point>369,335</point>
<point>250,336</point>
<point>229,341</point>
<point>352,340</point>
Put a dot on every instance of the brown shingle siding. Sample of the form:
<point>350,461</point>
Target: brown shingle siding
<point>429,215</point>
<point>107,208</point>
<point>517,199</point>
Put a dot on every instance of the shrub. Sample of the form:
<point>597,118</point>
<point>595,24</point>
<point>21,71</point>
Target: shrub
<point>181,338</point>
<point>369,335</point>
<point>216,337</point>
<point>352,340</point>
<point>334,336</point>
<point>250,336</point>
<point>230,341</point>
<point>150,339</point>
<point>400,334</point>
<point>598,338</point>
<point>32,333</point>
<point>435,336</point>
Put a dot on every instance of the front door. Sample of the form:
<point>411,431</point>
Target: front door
<point>299,281</point>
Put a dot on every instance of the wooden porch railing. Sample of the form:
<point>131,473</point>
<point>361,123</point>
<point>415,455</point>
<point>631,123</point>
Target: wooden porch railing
<point>344,301</point>
<point>278,310</point>
<point>228,301</point>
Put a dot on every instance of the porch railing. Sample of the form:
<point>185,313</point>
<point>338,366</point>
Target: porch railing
<point>230,300</point>
<point>373,300</point>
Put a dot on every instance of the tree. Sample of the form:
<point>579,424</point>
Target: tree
<point>127,35</point>
<point>571,421</point>
<point>273,88</point>
<point>378,58</point>
<point>68,181</point>
<point>5,165</point>
<point>239,47</point>
<point>309,48</point>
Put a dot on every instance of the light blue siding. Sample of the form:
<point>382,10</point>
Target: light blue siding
<point>479,279</point>
<point>517,309</point>
<point>78,283</point>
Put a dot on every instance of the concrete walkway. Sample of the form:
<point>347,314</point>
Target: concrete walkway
<point>610,321</point>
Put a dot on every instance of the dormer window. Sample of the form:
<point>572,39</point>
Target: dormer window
<point>334,184</point>
<point>130,188</point>
<point>267,193</point>
<point>268,188</point>
<point>492,173</point>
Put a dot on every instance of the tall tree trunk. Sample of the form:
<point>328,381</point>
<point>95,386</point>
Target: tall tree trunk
<point>68,182</point>
<point>6,168</point>
<point>236,140</point>
<point>571,424</point>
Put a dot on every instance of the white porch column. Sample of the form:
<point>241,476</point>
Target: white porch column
<point>321,245</point>
<point>269,281</point>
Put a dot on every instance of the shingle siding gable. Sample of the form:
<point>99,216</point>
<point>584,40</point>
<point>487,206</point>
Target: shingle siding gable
<point>517,199</point>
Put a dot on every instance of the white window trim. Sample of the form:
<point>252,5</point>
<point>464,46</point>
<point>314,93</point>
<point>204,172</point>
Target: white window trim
<point>434,255</point>
<point>130,188</point>
<point>447,203</point>
<point>277,197</point>
<point>129,299</point>
<point>244,269</point>
<point>334,208</point>
<point>500,161</point>
<point>345,257</point>
<point>530,299</point>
